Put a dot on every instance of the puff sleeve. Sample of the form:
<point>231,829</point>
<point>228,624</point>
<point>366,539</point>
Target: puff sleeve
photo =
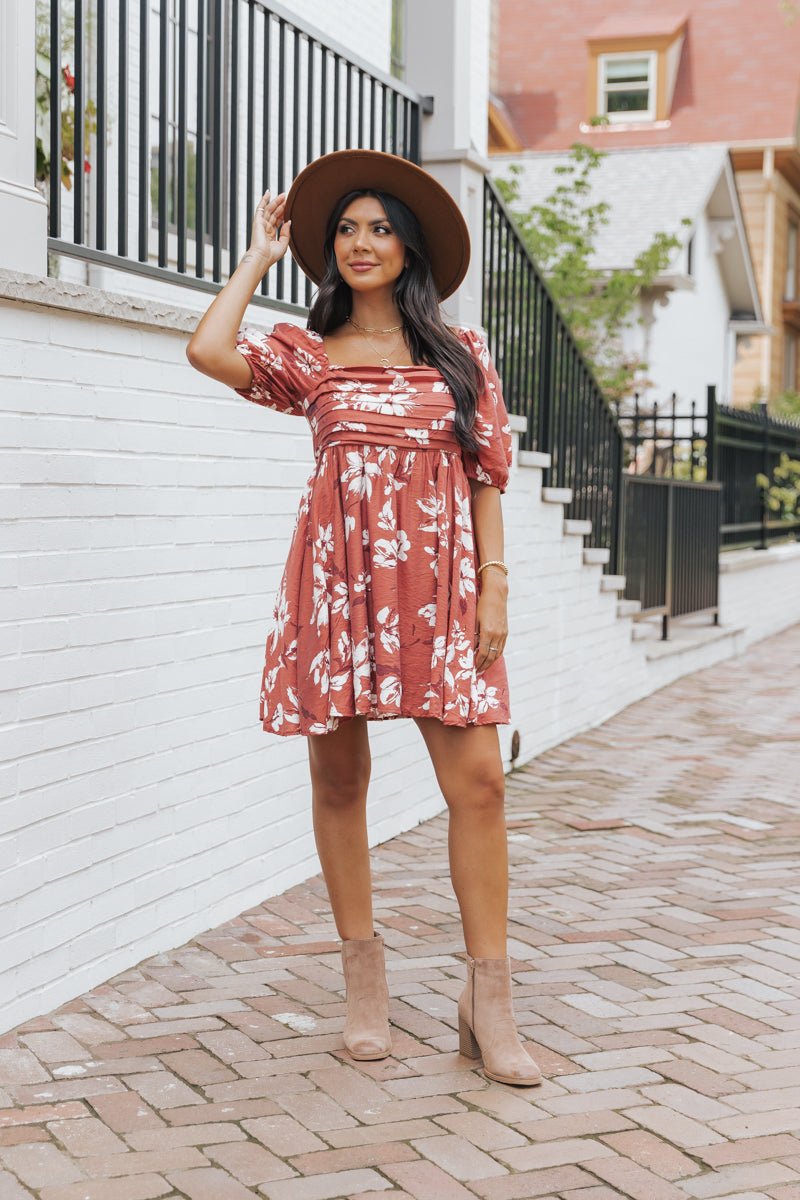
<point>491,464</point>
<point>283,370</point>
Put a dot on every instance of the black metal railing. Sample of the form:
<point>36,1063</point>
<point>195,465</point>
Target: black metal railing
<point>185,112</point>
<point>671,543</point>
<point>666,438</point>
<point>730,445</point>
<point>547,380</point>
<point>745,444</point>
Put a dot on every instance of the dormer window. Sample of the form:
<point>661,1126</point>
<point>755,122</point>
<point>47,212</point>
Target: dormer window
<point>633,67</point>
<point>627,87</point>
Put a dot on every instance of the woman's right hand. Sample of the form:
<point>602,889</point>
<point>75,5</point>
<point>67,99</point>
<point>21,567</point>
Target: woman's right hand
<point>212,347</point>
<point>265,242</point>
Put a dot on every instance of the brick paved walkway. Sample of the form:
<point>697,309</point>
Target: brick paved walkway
<point>655,924</point>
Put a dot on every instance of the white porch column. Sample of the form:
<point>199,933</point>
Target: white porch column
<point>23,209</point>
<point>447,57</point>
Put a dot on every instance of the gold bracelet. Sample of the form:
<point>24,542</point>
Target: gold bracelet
<point>493,562</point>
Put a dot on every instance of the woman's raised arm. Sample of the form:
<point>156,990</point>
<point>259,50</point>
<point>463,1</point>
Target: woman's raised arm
<point>212,347</point>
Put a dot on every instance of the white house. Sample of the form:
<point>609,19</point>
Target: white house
<point>690,322</point>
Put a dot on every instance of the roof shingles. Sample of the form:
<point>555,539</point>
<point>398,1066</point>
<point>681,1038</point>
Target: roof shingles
<point>738,78</point>
<point>648,192</point>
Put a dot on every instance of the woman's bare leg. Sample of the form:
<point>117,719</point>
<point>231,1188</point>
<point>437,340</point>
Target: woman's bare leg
<point>469,770</point>
<point>340,765</point>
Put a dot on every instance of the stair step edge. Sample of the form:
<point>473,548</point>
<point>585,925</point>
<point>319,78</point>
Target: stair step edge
<point>534,458</point>
<point>557,495</point>
<point>574,525</point>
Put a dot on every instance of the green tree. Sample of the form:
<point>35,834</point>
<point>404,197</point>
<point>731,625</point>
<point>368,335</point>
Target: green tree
<point>561,234</point>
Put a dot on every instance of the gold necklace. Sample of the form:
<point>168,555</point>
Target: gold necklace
<point>374,328</point>
<point>385,360</point>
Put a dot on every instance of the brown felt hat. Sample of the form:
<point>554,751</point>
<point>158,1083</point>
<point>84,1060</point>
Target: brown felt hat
<point>324,181</point>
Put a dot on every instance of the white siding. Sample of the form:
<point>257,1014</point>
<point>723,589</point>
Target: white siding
<point>688,344</point>
<point>364,26</point>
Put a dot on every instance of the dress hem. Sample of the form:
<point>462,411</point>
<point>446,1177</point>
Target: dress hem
<point>374,715</point>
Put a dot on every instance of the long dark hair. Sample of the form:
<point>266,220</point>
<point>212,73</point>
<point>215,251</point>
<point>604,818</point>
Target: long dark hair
<point>415,294</point>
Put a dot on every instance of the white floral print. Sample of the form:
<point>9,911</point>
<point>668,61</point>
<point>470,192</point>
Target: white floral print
<point>375,613</point>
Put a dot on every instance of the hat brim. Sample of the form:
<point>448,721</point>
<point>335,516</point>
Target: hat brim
<point>321,184</point>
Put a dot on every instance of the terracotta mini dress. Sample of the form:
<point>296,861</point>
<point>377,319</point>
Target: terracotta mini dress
<point>375,614</point>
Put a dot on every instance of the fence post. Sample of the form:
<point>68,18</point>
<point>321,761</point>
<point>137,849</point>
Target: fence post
<point>711,431</point>
<point>544,431</point>
<point>669,551</point>
<point>618,515</point>
<point>447,61</point>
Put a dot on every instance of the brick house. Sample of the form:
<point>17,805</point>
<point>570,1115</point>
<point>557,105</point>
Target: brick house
<point>724,73</point>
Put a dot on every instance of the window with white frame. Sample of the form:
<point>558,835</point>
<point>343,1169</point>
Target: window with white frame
<point>627,86</point>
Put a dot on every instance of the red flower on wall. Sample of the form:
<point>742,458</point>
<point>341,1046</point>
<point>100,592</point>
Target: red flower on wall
<point>69,78</point>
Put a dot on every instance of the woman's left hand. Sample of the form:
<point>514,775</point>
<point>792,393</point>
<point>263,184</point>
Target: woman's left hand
<point>492,623</point>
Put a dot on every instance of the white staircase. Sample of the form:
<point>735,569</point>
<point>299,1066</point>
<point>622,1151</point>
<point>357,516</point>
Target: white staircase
<point>592,556</point>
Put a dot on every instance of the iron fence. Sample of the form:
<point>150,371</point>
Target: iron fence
<point>547,380</point>
<point>181,113</point>
<point>671,545</point>
<point>730,445</point>
<point>665,439</point>
<point>745,444</point>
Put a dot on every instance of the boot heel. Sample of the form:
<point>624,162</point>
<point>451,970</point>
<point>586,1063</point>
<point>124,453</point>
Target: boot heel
<point>467,1043</point>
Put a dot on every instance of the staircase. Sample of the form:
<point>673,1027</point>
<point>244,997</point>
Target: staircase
<point>593,557</point>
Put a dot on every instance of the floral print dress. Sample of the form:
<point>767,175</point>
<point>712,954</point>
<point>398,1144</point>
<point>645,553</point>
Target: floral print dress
<point>376,610</point>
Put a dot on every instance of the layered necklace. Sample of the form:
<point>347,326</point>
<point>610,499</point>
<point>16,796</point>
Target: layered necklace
<point>365,329</point>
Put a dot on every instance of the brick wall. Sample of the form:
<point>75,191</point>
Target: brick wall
<point>146,517</point>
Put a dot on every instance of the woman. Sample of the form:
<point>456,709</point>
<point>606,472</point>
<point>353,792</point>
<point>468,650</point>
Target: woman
<point>382,611</point>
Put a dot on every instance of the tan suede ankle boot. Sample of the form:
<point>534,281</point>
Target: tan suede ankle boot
<point>486,1025</point>
<point>366,1026</point>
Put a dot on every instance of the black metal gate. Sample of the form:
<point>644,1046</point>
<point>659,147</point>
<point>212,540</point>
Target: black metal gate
<point>670,546</point>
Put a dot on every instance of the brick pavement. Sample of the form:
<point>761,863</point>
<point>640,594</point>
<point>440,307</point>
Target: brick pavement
<point>655,936</point>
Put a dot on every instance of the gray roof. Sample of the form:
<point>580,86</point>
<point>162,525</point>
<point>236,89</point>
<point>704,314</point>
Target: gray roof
<point>650,191</point>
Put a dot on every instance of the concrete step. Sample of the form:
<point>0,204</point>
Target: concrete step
<point>627,608</point>
<point>686,640</point>
<point>612,583</point>
<point>557,495</point>
<point>645,631</point>
<point>596,554</point>
<point>534,458</point>
<point>573,526</point>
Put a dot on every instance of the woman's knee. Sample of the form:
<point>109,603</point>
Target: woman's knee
<point>339,790</point>
<point>340,770</point>
<point>483,794</point>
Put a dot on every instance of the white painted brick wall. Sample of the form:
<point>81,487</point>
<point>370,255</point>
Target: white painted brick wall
<point>746,602</point>
<point>146,513</point>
